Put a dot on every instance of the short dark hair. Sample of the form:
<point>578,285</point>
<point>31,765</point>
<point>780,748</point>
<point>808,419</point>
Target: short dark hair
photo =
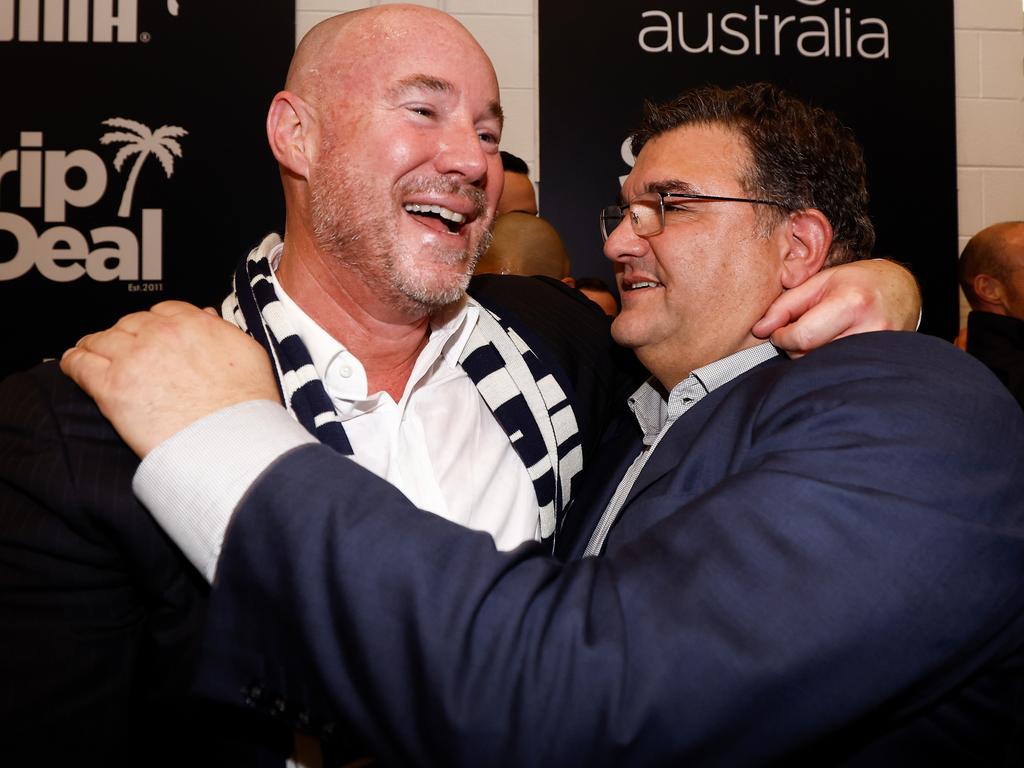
<point>514,164</point>
<point>803,156</point>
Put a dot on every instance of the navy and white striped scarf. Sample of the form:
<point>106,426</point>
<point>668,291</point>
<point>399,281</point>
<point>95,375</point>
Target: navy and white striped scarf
<point>520,390</point>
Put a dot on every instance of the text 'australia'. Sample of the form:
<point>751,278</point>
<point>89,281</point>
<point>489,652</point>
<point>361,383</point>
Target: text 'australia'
<point>839,34</point>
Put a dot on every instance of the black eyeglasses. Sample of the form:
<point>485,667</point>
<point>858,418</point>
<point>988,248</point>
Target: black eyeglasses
<point>647,211</point>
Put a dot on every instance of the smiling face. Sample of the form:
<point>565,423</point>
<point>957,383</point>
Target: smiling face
<point>407,175</point>
<point>691,293</point>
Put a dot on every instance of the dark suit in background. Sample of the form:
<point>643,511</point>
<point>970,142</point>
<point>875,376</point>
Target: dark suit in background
<point>998,341</point>
<point>822,564</point>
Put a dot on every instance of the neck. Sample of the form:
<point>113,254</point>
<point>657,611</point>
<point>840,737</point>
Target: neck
<point>992,309</point>
<point>387,339</point>
<point>669,370</point>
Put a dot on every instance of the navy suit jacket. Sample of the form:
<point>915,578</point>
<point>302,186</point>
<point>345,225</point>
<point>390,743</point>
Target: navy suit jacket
<point>822,564</point>
<point>101,615</point>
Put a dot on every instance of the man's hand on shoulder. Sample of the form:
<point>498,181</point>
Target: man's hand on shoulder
<point>861,296</point>
<point>154,373</point>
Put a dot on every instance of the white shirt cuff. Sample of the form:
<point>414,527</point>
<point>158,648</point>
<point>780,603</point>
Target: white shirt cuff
<point>192,482</point>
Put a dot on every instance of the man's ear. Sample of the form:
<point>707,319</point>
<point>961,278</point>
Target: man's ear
<point>989,289</point>
<point>809,238</point>
<point>291,132</point>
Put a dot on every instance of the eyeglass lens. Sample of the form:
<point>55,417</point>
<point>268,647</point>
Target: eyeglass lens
<point>645,215</point>
<point>611,217</point>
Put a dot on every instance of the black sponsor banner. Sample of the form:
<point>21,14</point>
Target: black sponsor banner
<point>886,68</point>
<point>133,159</point>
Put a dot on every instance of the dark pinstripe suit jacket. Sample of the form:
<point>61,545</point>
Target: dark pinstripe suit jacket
<point>100,614</point>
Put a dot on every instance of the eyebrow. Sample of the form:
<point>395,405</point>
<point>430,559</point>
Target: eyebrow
<point>674,186</point>
<point>421,82</point>
<point>439,85</point>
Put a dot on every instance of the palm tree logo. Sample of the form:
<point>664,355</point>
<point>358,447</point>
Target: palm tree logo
<point>141,142</point>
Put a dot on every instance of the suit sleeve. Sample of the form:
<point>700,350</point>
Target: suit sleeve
<point>805,590</point>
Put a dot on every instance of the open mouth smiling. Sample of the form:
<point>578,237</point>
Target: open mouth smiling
<point>437,216</point>
<point>640,284</point>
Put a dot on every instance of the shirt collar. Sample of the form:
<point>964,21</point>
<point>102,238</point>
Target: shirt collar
<point>450,329</point>
<point>653,412</point>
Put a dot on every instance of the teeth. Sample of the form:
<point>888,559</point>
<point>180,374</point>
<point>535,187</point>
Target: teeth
<point>440,210</point>
<point>635,286</point>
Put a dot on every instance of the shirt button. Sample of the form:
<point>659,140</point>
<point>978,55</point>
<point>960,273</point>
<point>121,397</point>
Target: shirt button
<point>345,371</point>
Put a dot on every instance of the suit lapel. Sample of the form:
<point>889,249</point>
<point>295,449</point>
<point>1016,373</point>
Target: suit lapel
<point>672,449</point>
<point>600,479</point>
<point>668,453</point>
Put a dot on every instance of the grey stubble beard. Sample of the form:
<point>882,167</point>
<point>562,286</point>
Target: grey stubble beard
<point>344,228</point>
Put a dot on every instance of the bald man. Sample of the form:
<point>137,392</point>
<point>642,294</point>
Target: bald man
<point>524,244</point>
<point>481,408</point>
<point>991,275</point>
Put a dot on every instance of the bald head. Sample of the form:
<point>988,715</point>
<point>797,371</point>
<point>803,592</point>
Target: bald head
<point>991,269</point>
<point>525,245</point>
<point>316,48</point>
<point>337,50</point>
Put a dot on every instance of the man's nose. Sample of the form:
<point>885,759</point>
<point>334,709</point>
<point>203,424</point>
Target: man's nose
<point>623,243</point>
<point>462,152</point>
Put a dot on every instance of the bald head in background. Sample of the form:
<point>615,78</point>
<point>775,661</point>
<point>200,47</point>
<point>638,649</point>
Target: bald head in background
<point>991,273</point>
<point>525,245</point>
<point>991,269</point>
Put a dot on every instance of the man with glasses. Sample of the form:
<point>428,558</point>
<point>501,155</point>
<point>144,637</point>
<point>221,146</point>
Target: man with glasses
<point>817,561</point>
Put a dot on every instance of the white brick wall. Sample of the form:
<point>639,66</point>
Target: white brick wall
<point>989,85</point>
<point>989,114</point>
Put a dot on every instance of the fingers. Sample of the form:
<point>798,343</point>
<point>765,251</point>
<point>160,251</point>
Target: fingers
<point>154,372</point>
<point>172,308</point>
<point>790,305</point>
<point>89,362</point>
<point>85,368</point>
<point>852,298</point>
<point>825,321</point>
<point>109,343</point>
